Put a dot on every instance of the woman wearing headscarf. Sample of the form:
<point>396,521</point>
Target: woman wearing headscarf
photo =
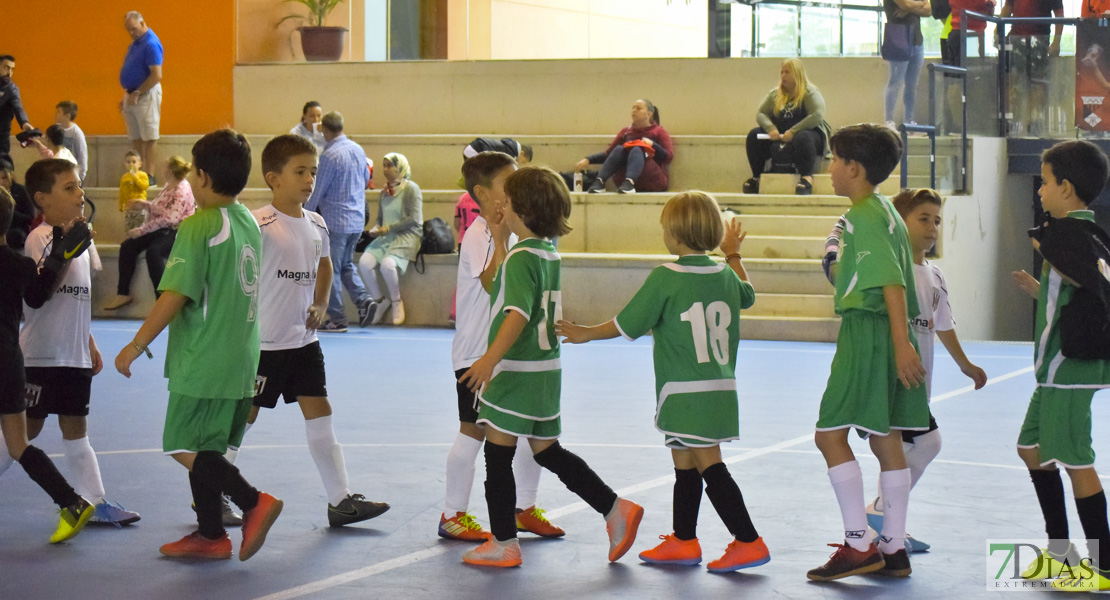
<point>399,230</point>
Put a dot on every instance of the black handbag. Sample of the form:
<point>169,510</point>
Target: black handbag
<point>896,42</point>
<point>437,239</point>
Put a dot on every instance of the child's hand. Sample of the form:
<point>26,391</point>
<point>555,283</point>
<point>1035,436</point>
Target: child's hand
<point>1027,283</point>
<point>98,361</point>
<point>572,333</point>
<point>317,314</point>
<point>124,359</point>
<point>910,371</point>
<point>478,375</point>
<point>979,376</point>
<point>734,236</point>
<point>134,232</point>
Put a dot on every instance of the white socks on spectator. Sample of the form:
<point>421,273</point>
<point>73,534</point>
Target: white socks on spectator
<point>85,468</point>
<point>847,483</point>
<point>895,487</point>
<point>328,455</point>
<point>460,473</point>
<point>527,474</point>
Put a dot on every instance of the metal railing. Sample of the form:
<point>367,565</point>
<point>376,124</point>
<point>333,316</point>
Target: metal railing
<point>931,128</point>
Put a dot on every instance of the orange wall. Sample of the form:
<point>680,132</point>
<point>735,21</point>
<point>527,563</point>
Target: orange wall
<point>83,64</point>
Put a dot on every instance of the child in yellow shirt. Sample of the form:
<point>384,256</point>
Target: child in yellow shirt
<point>132,186</point>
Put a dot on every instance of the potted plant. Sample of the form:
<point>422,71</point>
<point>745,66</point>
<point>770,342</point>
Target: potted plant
<point>318,42</point>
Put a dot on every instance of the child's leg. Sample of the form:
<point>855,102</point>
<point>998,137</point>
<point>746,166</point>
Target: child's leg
<point>574,473</point>
<point>81,458</point>
<point>894,481</point>
<point>686,498</point>
<point>232,453</point>
<point>461,469</point>
<point>392,278</point>
<point>212,470</point>
<point>325,450</point>
<point>1090,500</point>
<point>526,471</point>
<point>34,461</point>
<point>501,484</point>
<point>209,508</point>
<point>919,450</point>
<point>847,481</point>
<point>724,494</point>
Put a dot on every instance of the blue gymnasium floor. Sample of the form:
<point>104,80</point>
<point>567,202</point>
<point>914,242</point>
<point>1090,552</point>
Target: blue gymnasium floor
<point>395,406</point>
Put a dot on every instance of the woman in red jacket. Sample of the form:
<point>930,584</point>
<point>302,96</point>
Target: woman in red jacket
<point>638,157</point>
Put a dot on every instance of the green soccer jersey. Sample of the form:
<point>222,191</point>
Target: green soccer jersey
<point>527,381</point>
<point>1052,369</point>
<point>692,306</point>
<point>213,345</point>
<point>874,253</point>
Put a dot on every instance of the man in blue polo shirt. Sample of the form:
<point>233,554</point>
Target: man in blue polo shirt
<point>11,107</point>
<point>141,79</point>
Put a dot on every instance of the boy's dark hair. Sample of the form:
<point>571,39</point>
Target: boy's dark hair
<point>540,197</point>
<point>279,150</point>
<point>481,168</point>
<point>1080,162</point>
<point>4,57</point>
<point>7,209</point>
<point>43,173</point>
<point>55,134</point>
<point>906,201</point>
<point>6,163</point>
<point>875,147</point>
<point>225,156</point>
<point>308,105</point>
<point>69,108</point>
<point>131,153</point>
<point>526,150</point>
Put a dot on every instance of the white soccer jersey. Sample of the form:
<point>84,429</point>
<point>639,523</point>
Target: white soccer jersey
<point>471,299</point>
<point>57,334</point>
<point>935,315</point>
<point>291,253</point>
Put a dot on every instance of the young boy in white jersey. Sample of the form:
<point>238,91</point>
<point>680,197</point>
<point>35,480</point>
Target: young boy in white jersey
<point>24,281</point>
<point>59,352</point>
<point>210,303</point>
<point>920,209</point>
<point>293,296</point>
<point>876,375</point>
<point>518,379</point>
<point>483,249</point>
<point>692,308</point>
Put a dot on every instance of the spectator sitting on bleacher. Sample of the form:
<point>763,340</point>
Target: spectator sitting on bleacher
<point>50,145</point>
<point>65,114</point>
<point>24,216</point>
<point>309,127</point>
<point>521,152</point>
<point>792,121</point>
<point>157,233</point>
<point>637,158</point>
<point>399,230</point>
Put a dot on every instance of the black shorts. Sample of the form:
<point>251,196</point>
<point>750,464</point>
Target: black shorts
<point>290,374</point>
<point>57,391</point>
<point>908,435</point>
<point>468,400</point>
<point>13,399</point>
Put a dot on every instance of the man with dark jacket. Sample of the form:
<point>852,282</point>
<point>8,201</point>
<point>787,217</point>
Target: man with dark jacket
<point>11,106</point>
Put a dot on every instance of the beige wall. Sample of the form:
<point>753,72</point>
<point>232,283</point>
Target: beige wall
<point>527,29</point>
<point>259,39</point>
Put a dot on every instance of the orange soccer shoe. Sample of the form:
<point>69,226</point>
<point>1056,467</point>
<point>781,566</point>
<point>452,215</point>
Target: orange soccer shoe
<point>532,520</point>
<point>741,555</point>
<point>495,554</point>
<point>257,522</point>
<point>673,551</point>
<point>621,523</point>
<point>196,545</point>
<point>463,527</point>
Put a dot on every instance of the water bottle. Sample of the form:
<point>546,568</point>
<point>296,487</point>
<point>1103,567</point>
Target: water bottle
<point>578,181</point>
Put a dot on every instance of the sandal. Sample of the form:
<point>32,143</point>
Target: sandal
<point>804,188</point>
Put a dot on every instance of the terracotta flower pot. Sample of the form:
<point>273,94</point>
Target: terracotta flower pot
<point>323,43</point>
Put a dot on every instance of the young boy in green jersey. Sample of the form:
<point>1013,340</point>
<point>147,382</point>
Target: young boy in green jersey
<point>210,302</point>
<point>692,308</point>
<point>875,385</point>
<point>518,379</point>
<point>1057,427</point>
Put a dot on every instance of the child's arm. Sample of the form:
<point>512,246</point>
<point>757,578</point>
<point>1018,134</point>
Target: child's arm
<point>318,312</point>
<point>952,344</point>
<point>730,245</point>
<point>165,309</point>
<point>906,360</point>
<point>500,233</point>
<point>1027,283</point>
<point>479,374</point>
<point>97,360</point>
<point>580,334</point>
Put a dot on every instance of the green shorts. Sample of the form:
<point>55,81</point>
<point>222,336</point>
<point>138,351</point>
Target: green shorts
<point>198,424</point>
<point>864,391</point>
<point>518,424</point>
<point>1058,424</point>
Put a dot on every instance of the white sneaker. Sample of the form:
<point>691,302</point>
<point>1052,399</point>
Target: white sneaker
<point>398,313</point>
<point>379,314</point>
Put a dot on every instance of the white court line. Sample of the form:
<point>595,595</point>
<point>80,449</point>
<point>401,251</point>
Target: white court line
<point>971,388</point>
<point>414,557</point>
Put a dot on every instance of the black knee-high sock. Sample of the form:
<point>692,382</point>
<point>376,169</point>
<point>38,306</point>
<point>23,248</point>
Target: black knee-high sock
<point>729,502</point>
<point>42,471</point>
<point>206,499</point>
<point>686,503</point>
<point>578,477</point>
<point>213,470</point>
<point>501,490</point>
<point>1092,514</point>
<point>1050,494</point>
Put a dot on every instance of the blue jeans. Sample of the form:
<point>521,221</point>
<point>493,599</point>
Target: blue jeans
<point>632,159</point>
<point>342,246</point>
<point>904,73</point>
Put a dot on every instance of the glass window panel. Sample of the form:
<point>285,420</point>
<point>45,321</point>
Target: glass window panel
<point>778,30</point>
<point>861,32</point>
<point>820,31</point>
<point>741,30</point>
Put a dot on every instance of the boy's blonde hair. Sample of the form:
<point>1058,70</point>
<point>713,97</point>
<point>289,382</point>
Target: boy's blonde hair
<point>694,219</point>
<point>907,200</point>
<point>179,167</point>
<point>540,197</point>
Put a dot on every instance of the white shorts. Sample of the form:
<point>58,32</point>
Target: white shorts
<point>144,116</point>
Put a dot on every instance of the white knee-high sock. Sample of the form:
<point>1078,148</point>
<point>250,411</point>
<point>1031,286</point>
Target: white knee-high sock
<point>392,278</point>
<point>368,268</point>
<point>527,472</point>
<point>328,455</point>
<point>86,470</point>
<point>847,483</point>
<point>896,499</point>
<point>232,454</point>
<point>920,453</point>
<point>460,473</point>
